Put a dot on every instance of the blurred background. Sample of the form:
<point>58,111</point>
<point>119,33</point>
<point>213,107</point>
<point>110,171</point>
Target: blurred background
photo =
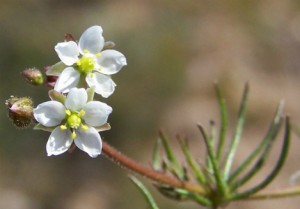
<point>175,51</point>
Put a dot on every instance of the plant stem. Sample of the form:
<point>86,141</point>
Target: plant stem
<point>124,161</point>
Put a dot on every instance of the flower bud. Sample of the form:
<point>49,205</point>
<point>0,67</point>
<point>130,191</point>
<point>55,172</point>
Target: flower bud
<point>69,37</point>
<point>109,45</point>
<point>33,76</point>
<point>20,111</point>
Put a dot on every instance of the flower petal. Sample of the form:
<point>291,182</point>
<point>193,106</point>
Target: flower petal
<point>96,113</point>
<point>59,142</point>
<point>68,79</point>
<point>89,141</point>
<point>49,113</point>
<point>76,99</point>
<point>103,84</point>
<point>68,52</point>
<point>111,61</point>
<point>91,40</point>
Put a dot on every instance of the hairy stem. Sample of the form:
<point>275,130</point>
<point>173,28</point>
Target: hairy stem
<point>124,161</point>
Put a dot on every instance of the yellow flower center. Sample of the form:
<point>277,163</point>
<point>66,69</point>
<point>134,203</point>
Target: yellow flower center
<point>74,121</point>
<point>87,62</point>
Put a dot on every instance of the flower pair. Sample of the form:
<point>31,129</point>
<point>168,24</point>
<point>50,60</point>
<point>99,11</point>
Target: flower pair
<point>86,62</point>
<point>72,115</point>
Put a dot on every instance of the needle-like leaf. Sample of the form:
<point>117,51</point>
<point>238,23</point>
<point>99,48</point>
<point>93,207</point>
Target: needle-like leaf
<point>192,162</point>
<point>173,163</point>
<point>145,192</point>
<point>223,125</point>
<point>275,171</point>
<point>238,132</point>
<point>264,145</point>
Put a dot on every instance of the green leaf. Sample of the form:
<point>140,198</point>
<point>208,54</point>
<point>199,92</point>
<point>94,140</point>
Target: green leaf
<point>156,156</point>
<point>221,185</point>
<point>192,162</point>
<point>238,132</point>
<point>145,192</point>
<point>200,199</point>
<point>173,163</point>
<point>223,126</point>
<point>276,169</point>
<point>264,145</point>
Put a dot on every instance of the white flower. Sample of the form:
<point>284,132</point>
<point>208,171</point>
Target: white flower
<point>76,119</point>
<point>86,59</point>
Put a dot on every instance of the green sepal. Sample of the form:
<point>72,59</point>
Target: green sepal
<point>56,69</point>
<point>56,96</point>
<point>104,127</point>
<point>43,128</point>
<point>90,92</point>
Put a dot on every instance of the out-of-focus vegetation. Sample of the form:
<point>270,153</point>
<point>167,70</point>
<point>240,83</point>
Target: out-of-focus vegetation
<point>175,50</point>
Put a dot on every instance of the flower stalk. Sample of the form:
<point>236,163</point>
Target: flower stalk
<point>159,177</point>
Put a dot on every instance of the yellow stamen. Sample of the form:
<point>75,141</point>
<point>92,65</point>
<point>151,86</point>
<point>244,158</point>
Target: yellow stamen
<point>73,135</point>
<point>84,127</point>
<point>85,51</point>
<point>68,112</point>
<point>81,113</point>
<point>63,127</point>
<point>98,54</point>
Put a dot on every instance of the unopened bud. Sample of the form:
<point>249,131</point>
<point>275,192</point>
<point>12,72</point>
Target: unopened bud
<point>33,76</point>
<point>69,37</point>
<point>109,45</point>
<point>20,111</point>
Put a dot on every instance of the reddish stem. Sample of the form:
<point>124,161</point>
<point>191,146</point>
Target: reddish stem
<point>148,172</point>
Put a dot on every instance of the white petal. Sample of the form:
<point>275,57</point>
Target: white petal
<point>91,40</point>
<point>68,52</point>
<point>103,84</point>
<point>68,79</point>
<point>59,142</point>
<point>111,61</point>
<point>96,113</point>
<point>89,141</point>
<point>76,99</point>
<point>49,113</point>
